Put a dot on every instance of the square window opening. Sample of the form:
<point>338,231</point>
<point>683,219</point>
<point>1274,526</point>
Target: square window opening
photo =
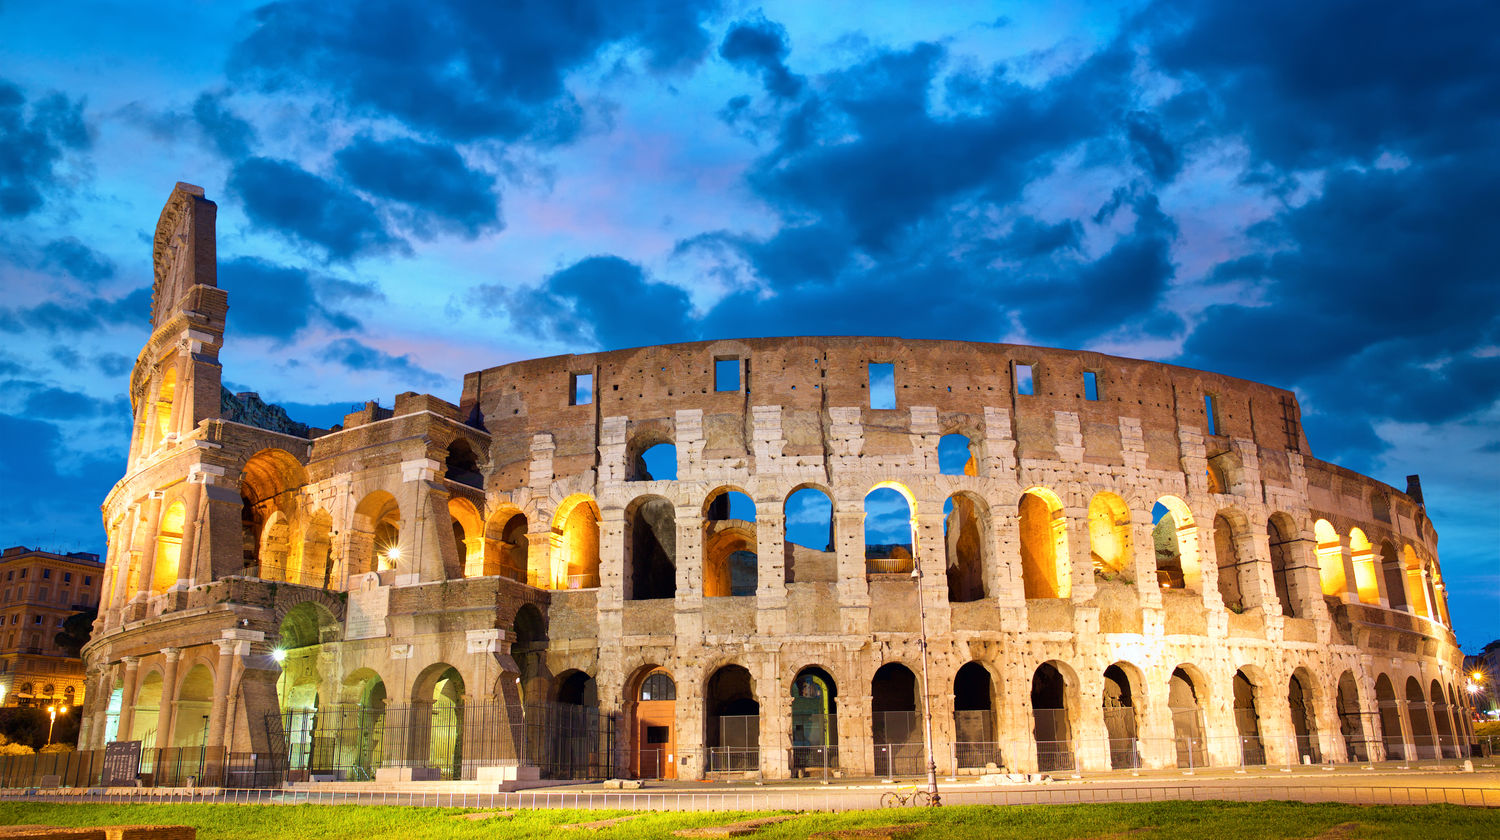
<point>727,374</point>
<point>1090,386</point>
<point>1025,382</point>
<point>882,385</point>
<point>582,391</point>
<point>658,734</point>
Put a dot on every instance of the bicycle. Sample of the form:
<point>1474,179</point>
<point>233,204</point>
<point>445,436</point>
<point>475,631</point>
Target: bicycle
<point>909,795</point>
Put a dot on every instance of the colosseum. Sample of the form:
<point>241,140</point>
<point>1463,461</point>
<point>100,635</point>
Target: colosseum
<point>775,557</point>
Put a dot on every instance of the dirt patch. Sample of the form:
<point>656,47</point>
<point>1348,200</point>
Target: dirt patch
<point>598,824</point>
<point>485,815</point>
<point>879,832</point>
<point>739,829</point>
<point>1342,831</point>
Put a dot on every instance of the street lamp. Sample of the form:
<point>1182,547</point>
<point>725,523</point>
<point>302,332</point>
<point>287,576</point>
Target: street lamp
<point>52,712</point>
<point>932,788</point>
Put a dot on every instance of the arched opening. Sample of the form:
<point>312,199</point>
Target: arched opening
<point>166,396</point>
<point>1051,723</point>
<point>512,559</point>
<point>965,524</point>
<point>303,630</point>
<point>1187,720</point>
<point>655,717</point>
<point>1421,724</point>
<point>435,732</point>
<point>462,465</point>
<point>1284,538</point>
<point>1121,719</point>
<point>1217,483</point>
<point>730,565</point>
<point>467,527</point>
<point>651,535</point>
<point>1417,593</point>
<point>893,721</point>
<point>956,455</point>
<point>1247,721</point>
<point>1302,704</point>
<point>810,557</point>
<point>1175,541</point>
<point>652,459</point>
<point>375,539</point>
<point>974,741</point>
<point>316,567</point>
<point>147,714</point>
<point>195,699</point>
<point>364,713</point>
<point>1389,718</point>
<point>268,484</point>
<point>1393,577</point>
<point>888,536</point>
<point>168,550</point>
<point>1330,559</point>
<point>815,723</point>
<point>1109,537</point>
<point>576,688</point>
<point>1351,727</point>
<point>731,721</point>
<point>529,650</point>
<point>575,546</point>
<point>1229,561</point>
<point>1447,744</point>
<point>1366,567</point>
<point>112,714</point>
<point>1044,545</point>
<point>570,728</point>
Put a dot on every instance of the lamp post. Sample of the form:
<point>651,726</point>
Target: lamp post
<point>52,712</point>
<point>916,573</point>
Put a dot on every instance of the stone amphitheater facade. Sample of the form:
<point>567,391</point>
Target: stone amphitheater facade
<point>1127,564</point>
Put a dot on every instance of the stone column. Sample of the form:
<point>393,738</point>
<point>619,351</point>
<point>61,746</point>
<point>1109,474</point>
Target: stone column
<point>167,717</point>
<point>127,699</point>
<point>1080,566</point>
<point>930,550</point>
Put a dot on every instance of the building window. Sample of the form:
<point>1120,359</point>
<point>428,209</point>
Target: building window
<point>43,592</point>
<point>582,391</point>
<point>1090,386</point>
<point>88,580</point>
<point>1211,412</point>
<point>46,574</point>
<point>727,374</point>
<point>882,385</point>
<point>67,577</point>
<point>1025,384</point>
<point>36,619</point>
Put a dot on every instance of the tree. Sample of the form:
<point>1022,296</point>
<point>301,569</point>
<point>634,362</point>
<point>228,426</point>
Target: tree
<point>75,632</point>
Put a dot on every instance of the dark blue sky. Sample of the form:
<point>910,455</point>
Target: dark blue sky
<point>1300,194</point>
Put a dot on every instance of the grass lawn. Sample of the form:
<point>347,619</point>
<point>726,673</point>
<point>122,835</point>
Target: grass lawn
<point>1132,821</point>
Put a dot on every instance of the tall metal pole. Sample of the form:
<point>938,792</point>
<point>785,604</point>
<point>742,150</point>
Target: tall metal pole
<point>916,572</point>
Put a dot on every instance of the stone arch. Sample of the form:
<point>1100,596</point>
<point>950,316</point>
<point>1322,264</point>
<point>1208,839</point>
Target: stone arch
<point>815,721</point>
<point>1175,538</point>
<point>1330,559</point>
<point>809,535</point>
<point>269,481</point>
<point>966,529</point>
<point>375,540</point>
<point>463,465</point>
<point>506,544</point>
<point>1124,710</point>
<point>435,731</point>
<point>1054,706</point>
<point>731,720</point>
<point>147,709</point>
<point>894,720</point>
<point>653,443</point>
<point>1446,743</point>
<point>195,699</point>
<point>1185,699</point>
<point>974,702</point>
<point>651,716</point>
<point>730,562</point>
<point>1231,554</point>
<point>364,698</point>
<point>1110,546</point>
<point>1247,716</point>
<point>1303,699</point>
<point>1285,541</point>
<point>1392,576</point>
<point>275,548</point>
<point>1416,591</point>
<point>1389,719</point>
<point>467,526</point>
<point>166,400</point>
<point>529,649</point>
<point>316,566</point>
<point>1044,544</point>
<point>651,549</point>
<point>1367,579</point>
<point>890,540</point>
<point>1421,725</point>
<point>1351,718</point>
<point>575,545</point>
<point>168,564</point>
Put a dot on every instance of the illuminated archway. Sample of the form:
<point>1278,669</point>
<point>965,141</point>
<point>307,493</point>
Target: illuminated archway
<point>1044,545</point>
<point>1109,536</point>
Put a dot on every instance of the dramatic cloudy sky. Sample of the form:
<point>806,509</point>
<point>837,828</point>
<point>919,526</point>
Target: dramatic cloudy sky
<point>1305,194</point>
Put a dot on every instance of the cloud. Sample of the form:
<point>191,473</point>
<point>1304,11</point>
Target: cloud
<point>463,69</point>
<point>760,45</point>
<point>289,200</point>
<point>77,260</point>
<point>604,300</point>
<point>78,316</point>
<point>33,141</point>
<point>278,301</point>
<point>228,132</point>
<point>441,192</point>
<point>36,517</point>
<point>356,355</point>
